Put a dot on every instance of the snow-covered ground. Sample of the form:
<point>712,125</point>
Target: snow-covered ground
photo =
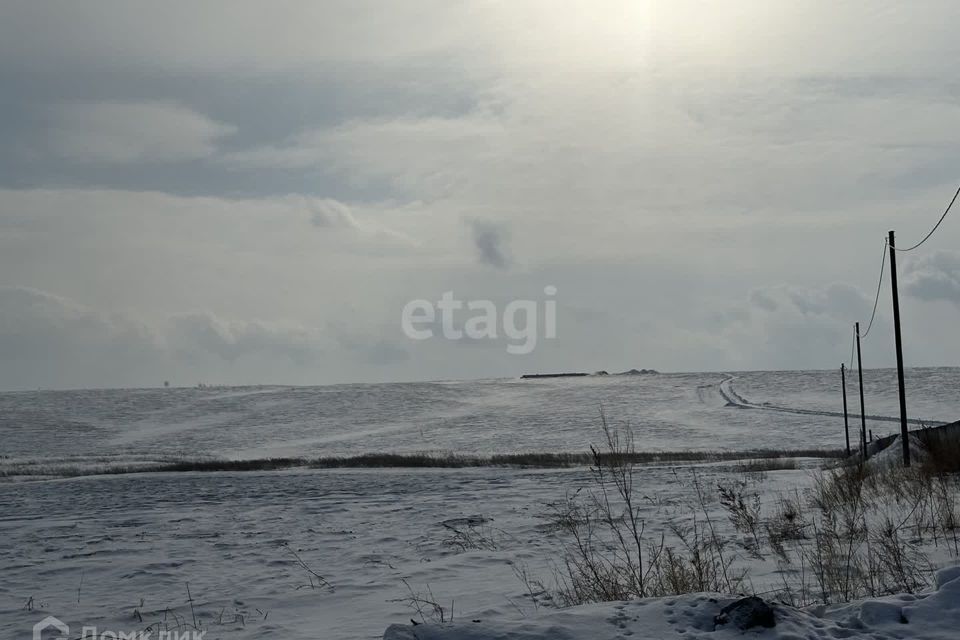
<point>340,554</point>
<point>929,616</point>
<point>671,412</point>
<point>134,542</point>
<point>118,552</point>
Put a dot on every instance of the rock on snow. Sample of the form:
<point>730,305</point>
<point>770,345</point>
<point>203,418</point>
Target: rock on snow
<point>928,616</point>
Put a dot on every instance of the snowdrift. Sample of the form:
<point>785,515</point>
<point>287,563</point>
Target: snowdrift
<point>929,616</point>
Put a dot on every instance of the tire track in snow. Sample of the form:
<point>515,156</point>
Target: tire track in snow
<point>736,400</point>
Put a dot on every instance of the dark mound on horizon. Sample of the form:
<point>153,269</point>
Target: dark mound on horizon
<point>631,372</point>
<point>534,376</point>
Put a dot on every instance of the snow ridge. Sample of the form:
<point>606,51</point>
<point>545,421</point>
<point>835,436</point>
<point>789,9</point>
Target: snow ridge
<point>928,616</point>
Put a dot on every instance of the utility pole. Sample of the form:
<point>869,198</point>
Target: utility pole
<point>863,410</point>
<point>904,435</point>
<point>846,424</point>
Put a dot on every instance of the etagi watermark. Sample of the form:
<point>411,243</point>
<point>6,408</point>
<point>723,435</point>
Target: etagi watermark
<point>51,628</point>
<point>519,320</point>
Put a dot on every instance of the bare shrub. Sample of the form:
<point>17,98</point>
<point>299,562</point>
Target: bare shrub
<point>316,581</point>
<point>901,566</point>
<point>698,564</point>
<point>858,531</point>
<point>870,520</point>
<point>535,589</point>
<point>608,553</point>
<point>471,536</point>
<point>743,512</point>
<point>788,524</point>
<point>426,606</point>
<point>607,557</point>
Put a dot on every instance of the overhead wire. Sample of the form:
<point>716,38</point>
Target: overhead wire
<point>939,222</point>
<point>873,314</point>
<point>853,346</point>
<point>876,300</point>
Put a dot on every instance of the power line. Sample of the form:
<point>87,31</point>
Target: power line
<point>883,263</point>
<point>927,237</point>
<point>853,345</point>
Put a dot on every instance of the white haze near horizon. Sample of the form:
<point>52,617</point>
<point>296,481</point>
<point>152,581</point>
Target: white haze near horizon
<point>242,193</point>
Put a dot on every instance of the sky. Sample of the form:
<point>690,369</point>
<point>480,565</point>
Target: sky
<point>251,192</point>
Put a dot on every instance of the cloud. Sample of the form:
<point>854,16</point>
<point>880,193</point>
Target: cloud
<point>530,35</point>
<point>330,214</point>
<point>327,213</point>
<point>226,35</point>
<point>688,176</point>
<point>491,243</point>
<point>38,325</point>
<point>48,340</point>
<point>410,153</point>
<point>203,332</point>
<point>121,132</point>
<point>934,277</point>
<point>762,300</point>
<point>798,327</point>
<point>371,350</point>
<point>792,327</point>
<point>835,301</point>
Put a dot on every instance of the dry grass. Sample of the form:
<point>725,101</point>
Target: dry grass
<point>80,466</point>
<point>861,530</point>
<point>608,554</point>
<point>763,465</point>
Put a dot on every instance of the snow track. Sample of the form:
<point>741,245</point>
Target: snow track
<point>734,399</point>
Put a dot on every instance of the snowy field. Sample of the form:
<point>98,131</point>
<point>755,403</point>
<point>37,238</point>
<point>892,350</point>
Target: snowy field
<point>341,554</point>
<point>94,549</point>
<point>670,412</point>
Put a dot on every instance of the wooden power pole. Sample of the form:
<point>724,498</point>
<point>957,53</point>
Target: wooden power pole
<point>846,423</point>
<point>863,410</point>
<point>904,435</point>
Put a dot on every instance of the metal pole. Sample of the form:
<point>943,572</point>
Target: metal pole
<point>863,410</point>
<point>904,435</point>
<point>846,423</point>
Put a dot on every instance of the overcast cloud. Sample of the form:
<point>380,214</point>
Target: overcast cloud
<point>491,244</point>
<point>238,192</point>
<point>115,133</point>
